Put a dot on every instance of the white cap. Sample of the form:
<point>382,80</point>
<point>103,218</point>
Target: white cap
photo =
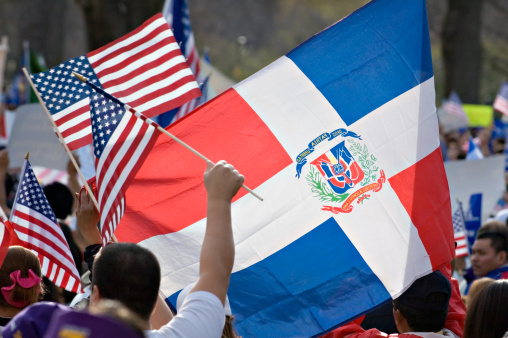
<point>185,291</point>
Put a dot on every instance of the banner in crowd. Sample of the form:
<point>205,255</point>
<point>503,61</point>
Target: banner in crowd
<point>32,131</point>
<point>340,137</point>
<point>479,115</point>
<point>485,176</point>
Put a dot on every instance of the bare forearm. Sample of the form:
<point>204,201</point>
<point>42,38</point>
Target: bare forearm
<point>218,250</point>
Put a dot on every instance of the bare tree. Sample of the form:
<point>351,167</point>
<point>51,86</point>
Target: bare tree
<point>462,50</point>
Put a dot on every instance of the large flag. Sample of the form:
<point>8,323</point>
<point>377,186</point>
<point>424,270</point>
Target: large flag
<point>340,137</point>
<point>453,106</point>
<point>501,101</point>
<point>459,231</point>
<point>145,69</point>
<point>36,226</point>
<point>176,13</point>
<point>122,139</point>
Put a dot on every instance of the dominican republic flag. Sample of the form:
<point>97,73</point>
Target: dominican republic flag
<point>145,69</point>
<point>473,152</point>
<point>501,101</point>
<point>311,257</point>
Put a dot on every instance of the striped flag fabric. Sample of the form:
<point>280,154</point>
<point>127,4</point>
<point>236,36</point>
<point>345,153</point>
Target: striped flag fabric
<point>176,12</point>
<point>453,106</point>
<point>122,139</point>
<point>501,101</point>
<point>340,137</point>
<point>459,232</point>
<point>36,226</point>
<point>144,69</point>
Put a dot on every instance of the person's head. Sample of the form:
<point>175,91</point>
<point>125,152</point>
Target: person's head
<point>490,249</point>
<point>487,315</point>
<point>116,309</point>
<point>60,199</point>
<point>423,307</point>
<point>477,286</point>
<point>20,279</point>
<point>129,273</point>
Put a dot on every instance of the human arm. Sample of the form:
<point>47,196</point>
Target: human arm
<point>87,219</point>
<point>161,314</point>
<point>218,251</point>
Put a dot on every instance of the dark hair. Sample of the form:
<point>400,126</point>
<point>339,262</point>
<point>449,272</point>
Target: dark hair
<point>487,315</point>
<point>423,320</point>
<point>129,273</point>
<point>229,329</point>
<point>498,239</point>
<point>60,199</point>
<point>19,258</point>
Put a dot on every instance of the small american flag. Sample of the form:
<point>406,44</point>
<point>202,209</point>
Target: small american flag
<point>122,139</point>
<point>453,106</point>
<point>176,13</point>
<point>501,101</point>
<point>36,226</point>
<point>144,68</point>
<point>459,231</point>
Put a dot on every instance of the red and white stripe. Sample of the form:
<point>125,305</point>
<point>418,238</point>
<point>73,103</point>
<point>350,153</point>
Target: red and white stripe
<point>123,155</point>
<point>144,69</point>
<point>45,237</point>
<point>501,104</point>
<point>455,109</point>
<point>461,249</point>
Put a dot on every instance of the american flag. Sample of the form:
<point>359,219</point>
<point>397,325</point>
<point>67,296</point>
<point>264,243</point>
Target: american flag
<point>453,106</point>
<point>36,226</point>
<point>122,139</point>
<point>176,13</point>
<point>144,68</point>
<point>459,231</point>
<point>501,101</point>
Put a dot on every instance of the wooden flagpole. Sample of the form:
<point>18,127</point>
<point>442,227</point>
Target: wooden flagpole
<point>164,131</point>
<point>67,150</point>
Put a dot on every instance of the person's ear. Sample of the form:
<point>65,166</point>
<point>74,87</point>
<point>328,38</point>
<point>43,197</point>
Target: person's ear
<point>95,296</point>
<point>502,255</point>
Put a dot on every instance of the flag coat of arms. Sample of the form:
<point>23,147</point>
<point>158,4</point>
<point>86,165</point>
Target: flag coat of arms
<point>145,69</point>
<point>340,137</point>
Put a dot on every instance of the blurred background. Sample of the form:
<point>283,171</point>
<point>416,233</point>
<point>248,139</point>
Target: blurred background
<point>469,37</point>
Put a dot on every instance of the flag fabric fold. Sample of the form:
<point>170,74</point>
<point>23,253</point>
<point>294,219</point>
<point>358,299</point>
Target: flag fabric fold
<point>37,229</point>
<point>122,139</point>
<point>144,69</point>
<point>340,137</point>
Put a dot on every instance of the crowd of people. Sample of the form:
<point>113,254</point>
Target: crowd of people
<point>122,280</point>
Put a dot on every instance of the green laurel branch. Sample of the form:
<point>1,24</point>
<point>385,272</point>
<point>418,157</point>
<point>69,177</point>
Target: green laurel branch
<point>321,189</point>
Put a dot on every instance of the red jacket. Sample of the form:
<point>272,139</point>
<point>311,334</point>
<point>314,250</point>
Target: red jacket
<point>454,320</point>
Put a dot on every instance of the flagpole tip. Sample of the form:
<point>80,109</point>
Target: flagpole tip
<point>27,155</point>
<point>80,77</point>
